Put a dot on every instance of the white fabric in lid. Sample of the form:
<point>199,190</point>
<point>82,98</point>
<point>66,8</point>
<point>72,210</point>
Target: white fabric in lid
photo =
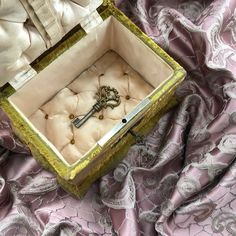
<point>22,40</point>
<point>53,119</point>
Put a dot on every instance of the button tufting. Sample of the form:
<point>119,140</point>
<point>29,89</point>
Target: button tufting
<point>101,117</point>
<point>127,97</point>
<point>46,117</point>
<point>101,123</point>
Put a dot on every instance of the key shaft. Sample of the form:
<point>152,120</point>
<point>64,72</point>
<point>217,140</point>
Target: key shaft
<point>106,97</point>
<point>79,122</point>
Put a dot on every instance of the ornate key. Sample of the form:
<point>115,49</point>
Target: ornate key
<point>106,97</point>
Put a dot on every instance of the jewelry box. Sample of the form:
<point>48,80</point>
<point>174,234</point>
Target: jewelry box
<point>104,53</point>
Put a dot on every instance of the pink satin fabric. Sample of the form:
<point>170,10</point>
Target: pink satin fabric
<point>182,179</point>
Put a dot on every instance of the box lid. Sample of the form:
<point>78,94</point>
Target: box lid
<point>28,28</point>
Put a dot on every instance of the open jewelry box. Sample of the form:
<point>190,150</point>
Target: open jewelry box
<point>107,49</point>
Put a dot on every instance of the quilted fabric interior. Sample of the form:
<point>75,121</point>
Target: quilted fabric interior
<point>54,118</point>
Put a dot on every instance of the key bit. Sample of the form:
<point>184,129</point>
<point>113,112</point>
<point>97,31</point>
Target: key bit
<point>106,97</point>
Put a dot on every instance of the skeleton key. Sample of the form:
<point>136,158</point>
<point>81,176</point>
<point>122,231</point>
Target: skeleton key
<point>106,97</point>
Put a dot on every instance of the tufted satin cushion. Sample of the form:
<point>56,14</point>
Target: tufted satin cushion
<point>54,118</point>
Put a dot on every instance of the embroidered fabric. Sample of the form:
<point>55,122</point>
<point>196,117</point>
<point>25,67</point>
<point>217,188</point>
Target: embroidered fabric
<point>186,191</point>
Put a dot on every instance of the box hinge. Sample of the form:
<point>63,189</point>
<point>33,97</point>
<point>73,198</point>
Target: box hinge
<point>22,78</point>
<point>91,21</point>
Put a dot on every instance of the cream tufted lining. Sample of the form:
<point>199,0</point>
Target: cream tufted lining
<point>54,118</point>
<point>110,35</point>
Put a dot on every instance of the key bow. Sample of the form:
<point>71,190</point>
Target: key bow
<point>106,97</point>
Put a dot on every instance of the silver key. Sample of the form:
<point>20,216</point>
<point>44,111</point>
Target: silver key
<point>106,97</point>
